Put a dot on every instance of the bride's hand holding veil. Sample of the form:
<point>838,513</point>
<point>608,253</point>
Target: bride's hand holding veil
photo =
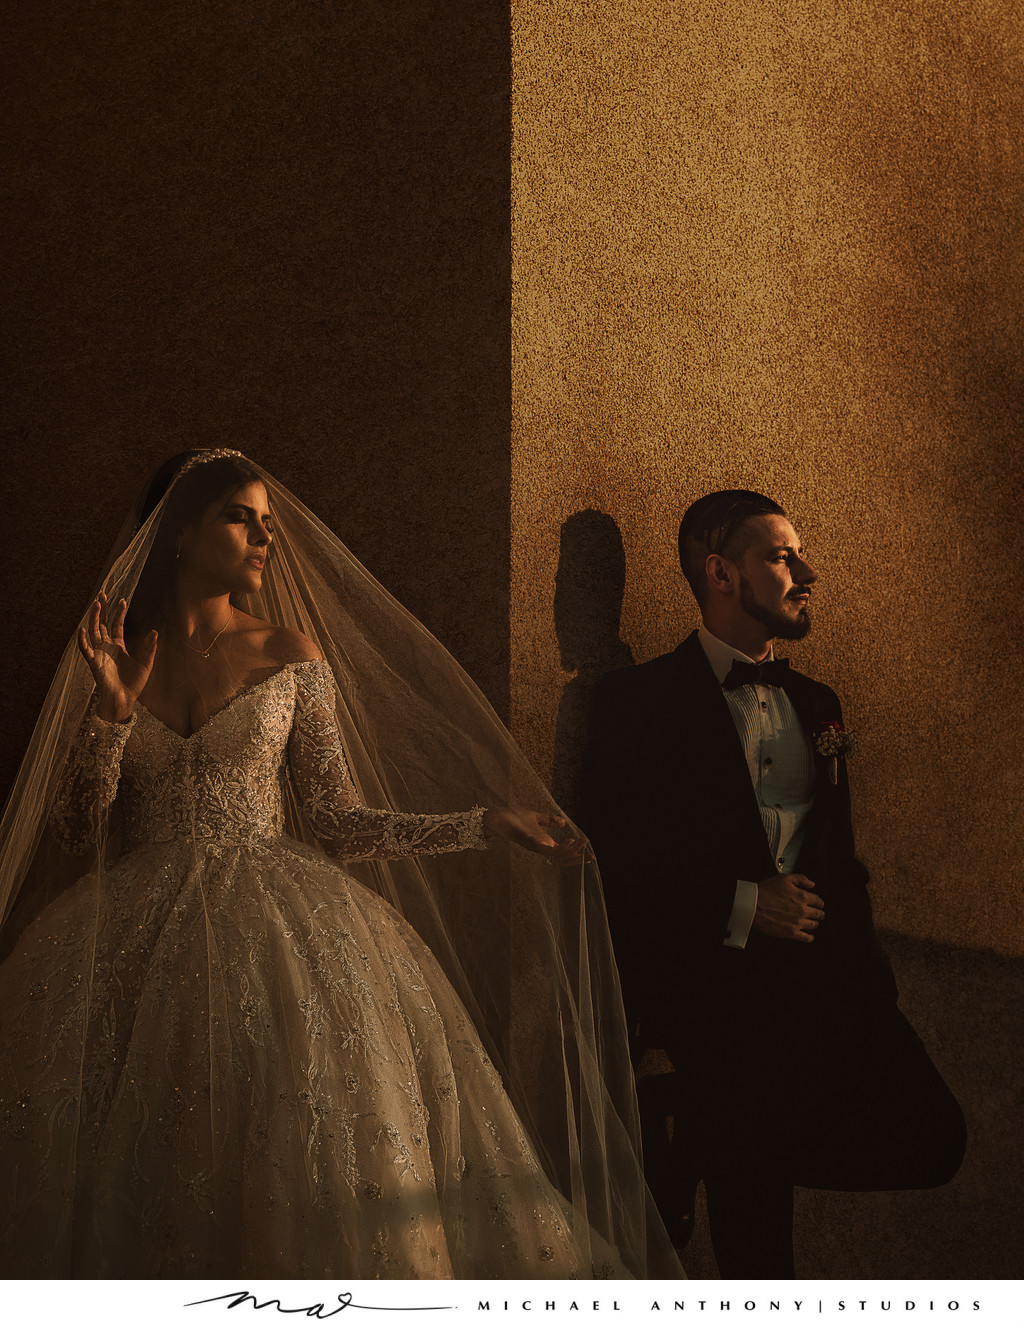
<point>120,678</point>
<point>525,827</point>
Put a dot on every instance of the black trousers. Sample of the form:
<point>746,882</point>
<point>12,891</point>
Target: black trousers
<point>867,1111</point>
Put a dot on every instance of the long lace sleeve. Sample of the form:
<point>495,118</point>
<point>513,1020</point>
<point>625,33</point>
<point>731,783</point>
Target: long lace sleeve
<point>88,784</point>
<point>345,827</point>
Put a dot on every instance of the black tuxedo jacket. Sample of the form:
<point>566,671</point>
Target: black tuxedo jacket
<point>671,812</point>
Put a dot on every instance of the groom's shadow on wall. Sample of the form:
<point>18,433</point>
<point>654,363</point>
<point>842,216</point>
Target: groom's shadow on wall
<point>589,587</point>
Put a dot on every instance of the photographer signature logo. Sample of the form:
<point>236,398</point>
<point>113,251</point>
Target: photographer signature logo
<point>319,1311</point>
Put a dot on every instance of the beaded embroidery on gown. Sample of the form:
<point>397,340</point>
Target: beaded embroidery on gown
<point>277,1077</point>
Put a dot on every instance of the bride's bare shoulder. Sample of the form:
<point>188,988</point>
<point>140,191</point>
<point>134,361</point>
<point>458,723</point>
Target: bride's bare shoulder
<point>288,646</point>
<point>280,646</point>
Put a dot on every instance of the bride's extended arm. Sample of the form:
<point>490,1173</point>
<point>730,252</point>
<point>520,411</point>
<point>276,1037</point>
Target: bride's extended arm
<point>345,827</point>
<point>348,829</point>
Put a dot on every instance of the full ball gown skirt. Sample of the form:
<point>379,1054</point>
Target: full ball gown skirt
<point>226,1057</point>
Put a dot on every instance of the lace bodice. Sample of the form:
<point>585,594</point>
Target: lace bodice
<point>226,782</point>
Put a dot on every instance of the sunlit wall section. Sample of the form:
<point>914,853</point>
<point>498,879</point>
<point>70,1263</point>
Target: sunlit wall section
<point>780,247</point>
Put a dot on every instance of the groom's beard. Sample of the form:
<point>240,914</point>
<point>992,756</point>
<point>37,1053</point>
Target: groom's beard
<point>790,630</point>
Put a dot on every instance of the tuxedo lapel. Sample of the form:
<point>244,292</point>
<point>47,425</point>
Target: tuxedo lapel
<point>810,702</point>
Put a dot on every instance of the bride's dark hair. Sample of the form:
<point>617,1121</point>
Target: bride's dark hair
<point>203,484</point>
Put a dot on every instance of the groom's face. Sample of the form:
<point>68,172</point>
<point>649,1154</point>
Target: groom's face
<point>775,578</point>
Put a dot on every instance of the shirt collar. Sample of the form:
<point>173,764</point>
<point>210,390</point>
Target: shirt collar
<point>721,655</point>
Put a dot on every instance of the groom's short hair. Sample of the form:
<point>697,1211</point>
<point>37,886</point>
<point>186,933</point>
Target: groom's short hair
<point>714,525</point>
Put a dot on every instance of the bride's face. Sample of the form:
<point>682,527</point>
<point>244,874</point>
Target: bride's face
<point>228,547</point>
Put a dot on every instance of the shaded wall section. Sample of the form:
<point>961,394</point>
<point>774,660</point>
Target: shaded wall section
<point>780,247</point>
<point>277,228</point>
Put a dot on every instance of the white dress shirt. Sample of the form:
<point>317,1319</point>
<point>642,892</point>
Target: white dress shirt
<point>781,765</point>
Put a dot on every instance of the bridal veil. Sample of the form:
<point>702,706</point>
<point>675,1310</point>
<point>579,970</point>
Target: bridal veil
<point>525,945</point>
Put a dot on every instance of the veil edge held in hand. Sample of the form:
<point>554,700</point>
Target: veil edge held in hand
<point>525,944</point>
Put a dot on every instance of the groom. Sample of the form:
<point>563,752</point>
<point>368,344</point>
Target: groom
<point>719,808</point>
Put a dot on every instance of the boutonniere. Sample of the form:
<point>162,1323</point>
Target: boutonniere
<point>832,739</point>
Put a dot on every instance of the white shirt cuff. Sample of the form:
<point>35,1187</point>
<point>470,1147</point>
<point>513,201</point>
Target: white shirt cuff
<point>744,906</point>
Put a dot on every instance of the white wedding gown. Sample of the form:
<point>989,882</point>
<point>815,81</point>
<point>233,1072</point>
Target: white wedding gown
<point>229,1058</point>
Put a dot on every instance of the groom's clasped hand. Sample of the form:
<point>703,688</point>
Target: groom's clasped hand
<point>788,908</point>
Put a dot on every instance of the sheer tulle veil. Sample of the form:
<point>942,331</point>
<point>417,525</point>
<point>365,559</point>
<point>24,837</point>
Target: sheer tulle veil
<point>525,945</point>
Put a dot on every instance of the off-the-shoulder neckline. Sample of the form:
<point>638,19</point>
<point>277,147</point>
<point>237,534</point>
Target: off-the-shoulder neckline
<point>242,692</point>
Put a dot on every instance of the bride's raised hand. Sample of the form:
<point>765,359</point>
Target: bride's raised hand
<point>531,830</point>
<point>120,677</point>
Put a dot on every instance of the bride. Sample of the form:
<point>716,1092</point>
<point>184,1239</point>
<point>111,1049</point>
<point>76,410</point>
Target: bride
<point>254,1020</point>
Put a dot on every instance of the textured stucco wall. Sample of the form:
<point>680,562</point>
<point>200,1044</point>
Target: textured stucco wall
<point>779,246</point>
<point>282,228</point>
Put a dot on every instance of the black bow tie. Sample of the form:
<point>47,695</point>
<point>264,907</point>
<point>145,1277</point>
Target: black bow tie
<point>772,673</point>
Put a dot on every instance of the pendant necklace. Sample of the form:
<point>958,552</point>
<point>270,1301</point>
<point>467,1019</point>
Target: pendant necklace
<point>205,654</point>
